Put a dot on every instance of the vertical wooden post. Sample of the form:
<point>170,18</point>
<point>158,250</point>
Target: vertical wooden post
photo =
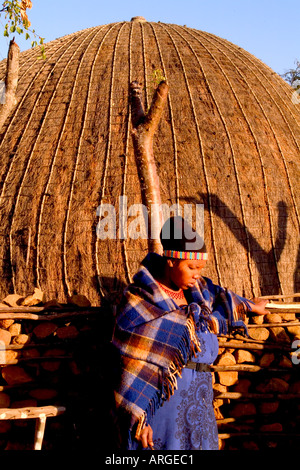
<point>144,127</point>
<point>39,431</point>
<point>11,81</point>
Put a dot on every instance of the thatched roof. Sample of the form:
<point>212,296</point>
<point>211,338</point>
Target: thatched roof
<point>229,138</point>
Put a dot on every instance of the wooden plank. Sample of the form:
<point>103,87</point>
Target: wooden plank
<point>27,313</point>
<point>277,307</point>
<point>256,396</point>
<point>270,325</point>
<point>32,412</point>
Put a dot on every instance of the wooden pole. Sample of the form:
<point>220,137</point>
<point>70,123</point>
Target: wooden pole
<point>13,362</point>
<point>286,296</point>
<point>27,313</point>
<point>11,81</point>
<point>257,396</point>
<point>39,432</point>
<point>144,126</point>
<point>258,434</point>
<point>271,325</point>
<point>277,307</point>
<point>248,368</point>
<point>257,346</point>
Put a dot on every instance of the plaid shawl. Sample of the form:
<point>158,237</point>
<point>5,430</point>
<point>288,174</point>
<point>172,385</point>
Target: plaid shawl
<point>156,338</point>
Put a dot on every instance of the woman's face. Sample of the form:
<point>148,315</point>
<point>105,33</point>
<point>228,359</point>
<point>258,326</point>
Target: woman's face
<point>184,273</point>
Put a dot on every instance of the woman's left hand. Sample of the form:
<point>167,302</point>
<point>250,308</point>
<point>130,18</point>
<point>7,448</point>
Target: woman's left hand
<point>259,306</point>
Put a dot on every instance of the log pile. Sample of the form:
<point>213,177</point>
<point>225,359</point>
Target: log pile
<point>257,385</point>
<point>55,362</point>
<point>49,367</point>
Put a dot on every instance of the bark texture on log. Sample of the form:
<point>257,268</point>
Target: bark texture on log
<point>144,127</point>
<point>11,81</point>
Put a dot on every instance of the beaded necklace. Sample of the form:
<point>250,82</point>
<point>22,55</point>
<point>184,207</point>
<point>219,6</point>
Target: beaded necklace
<point>174,294</point>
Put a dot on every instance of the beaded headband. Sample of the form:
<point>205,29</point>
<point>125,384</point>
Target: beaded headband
<point>185,254</point>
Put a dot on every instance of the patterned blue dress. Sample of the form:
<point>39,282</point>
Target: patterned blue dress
<point>187,420</point>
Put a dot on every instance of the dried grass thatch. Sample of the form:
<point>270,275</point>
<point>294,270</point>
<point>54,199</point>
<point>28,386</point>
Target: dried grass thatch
<point>229,138</point>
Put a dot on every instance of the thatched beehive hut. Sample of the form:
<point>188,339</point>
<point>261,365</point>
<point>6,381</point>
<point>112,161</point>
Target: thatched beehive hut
<point>229,139</point>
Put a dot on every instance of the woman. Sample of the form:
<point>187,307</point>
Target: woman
<point>166,333</point>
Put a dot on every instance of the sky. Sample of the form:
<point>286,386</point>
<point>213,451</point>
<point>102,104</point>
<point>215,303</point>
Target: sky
<point>269,29</point>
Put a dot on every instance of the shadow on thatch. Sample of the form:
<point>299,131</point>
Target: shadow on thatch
<point>260,256</point>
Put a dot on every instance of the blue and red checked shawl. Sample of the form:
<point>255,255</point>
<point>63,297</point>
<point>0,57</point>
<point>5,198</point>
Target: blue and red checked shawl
<point>156,338</point>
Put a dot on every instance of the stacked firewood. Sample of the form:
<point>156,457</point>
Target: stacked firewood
<point>256,382</point>
<point>55,361</point>
<point>50,357</point>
